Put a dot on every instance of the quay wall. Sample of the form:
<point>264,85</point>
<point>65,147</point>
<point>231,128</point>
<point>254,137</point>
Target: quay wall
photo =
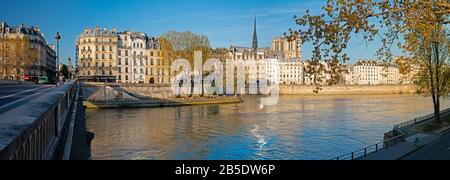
<point>136,92</point>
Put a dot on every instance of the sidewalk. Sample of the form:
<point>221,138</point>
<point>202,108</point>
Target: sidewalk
<point>81,143</point>
<point>402,149</point>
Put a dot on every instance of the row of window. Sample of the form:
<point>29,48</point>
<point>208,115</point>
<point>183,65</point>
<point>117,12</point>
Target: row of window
<point>367,79</point>
<point>125,52</point>
<point>289,76</point>
<point>138,45</point>
<point>248,57</point>
<point>103,73</point>
<point>360,71</point>
<point>141,70</point>
<point>97,40</point>
<point>103,48</point>
<point>97,48</point>
<point>126,62</point>
<point>103,56</point>
<point>141,62</point>
<point>140,78</point>
<point>96,64</point>
<point>293,72</point>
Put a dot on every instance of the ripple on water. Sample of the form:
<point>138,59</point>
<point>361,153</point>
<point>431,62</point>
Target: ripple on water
<point>299,127</point>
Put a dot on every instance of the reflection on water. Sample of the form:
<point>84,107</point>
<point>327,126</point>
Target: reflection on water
<point>299,127</point>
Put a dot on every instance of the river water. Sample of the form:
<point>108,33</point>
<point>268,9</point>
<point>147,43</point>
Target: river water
<point>299,127</point>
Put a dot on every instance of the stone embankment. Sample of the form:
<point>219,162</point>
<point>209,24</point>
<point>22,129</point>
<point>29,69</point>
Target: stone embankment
<point>133,96</point>
<point>348,90</point>
<point>98,95</point>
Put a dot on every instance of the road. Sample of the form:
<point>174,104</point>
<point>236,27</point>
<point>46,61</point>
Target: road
<point>12,96</point>
<point>437,150</point>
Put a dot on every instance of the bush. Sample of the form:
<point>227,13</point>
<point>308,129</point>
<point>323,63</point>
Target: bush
<point>431,127</point>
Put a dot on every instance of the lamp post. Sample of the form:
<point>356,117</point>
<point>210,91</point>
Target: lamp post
<point>58,38</point>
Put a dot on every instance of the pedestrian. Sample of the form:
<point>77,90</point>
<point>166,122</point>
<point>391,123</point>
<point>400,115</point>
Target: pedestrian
<point>61,80</point>
<point>57,80</point>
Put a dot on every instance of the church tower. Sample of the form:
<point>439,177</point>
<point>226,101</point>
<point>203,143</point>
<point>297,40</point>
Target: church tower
<point>255,36</point>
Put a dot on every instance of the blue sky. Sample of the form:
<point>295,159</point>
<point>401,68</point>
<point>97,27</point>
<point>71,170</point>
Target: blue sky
<point>223,21</point>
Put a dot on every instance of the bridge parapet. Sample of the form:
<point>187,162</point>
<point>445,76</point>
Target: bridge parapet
<point>34,130</point>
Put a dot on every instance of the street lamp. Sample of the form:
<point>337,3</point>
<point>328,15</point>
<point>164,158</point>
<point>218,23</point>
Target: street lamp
<point>58,38</point>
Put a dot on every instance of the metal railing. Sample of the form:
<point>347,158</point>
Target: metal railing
<point>364,152</point>
<point>418,120</point>
<point>386,144</point>
<point>41,123</point>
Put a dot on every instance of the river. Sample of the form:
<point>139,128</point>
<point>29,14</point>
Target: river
<point>299,128</point>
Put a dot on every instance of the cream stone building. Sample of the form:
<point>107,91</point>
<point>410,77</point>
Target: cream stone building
<point>132,58</point>
<point>284,71</point>
<point>375,73</point>
<point>158,69</point>
<point>323,75</point>
<point>97,55</point>
<point>121,57</point>
<point>291,72</point>
<point>288,49</point>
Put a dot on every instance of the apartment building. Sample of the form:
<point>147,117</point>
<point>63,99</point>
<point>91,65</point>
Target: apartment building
<point>97,55</point>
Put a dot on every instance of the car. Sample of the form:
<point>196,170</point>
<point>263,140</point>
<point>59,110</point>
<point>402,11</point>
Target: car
<point>26,77</point>
<point>43,80</point>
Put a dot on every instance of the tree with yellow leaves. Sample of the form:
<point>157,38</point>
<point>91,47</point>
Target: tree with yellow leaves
<point>418,27</point>
<point>16,56</point>
<point>175,45</point>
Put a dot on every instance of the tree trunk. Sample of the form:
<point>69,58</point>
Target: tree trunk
<point>437,110</point>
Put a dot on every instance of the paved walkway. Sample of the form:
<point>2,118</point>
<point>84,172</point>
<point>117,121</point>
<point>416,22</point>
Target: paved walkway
<point>437,150</point>
<point>401,149</point>
<point>81,147</point>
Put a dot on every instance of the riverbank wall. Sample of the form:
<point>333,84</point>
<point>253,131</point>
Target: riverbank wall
<point>348,90</point>
<point>136,96</point>
<point>101,95</point>
<point>100,91</point>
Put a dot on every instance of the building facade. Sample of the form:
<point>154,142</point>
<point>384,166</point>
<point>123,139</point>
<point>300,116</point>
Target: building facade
<point>375,73</point>
<point>131,57</point>
<point>244,53</point>
<point>295,72</point>
<point>291,72</point>
<point>284,71</point>
<point>45,64</point>
<point>287,48</point>
<point>97,55</point>
<point>272,70</point>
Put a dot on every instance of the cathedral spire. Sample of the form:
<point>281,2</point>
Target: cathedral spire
<point>255,36</point>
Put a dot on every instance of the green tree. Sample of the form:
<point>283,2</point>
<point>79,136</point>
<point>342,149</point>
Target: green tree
<point>416,27</point>
<point>65,71</point>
